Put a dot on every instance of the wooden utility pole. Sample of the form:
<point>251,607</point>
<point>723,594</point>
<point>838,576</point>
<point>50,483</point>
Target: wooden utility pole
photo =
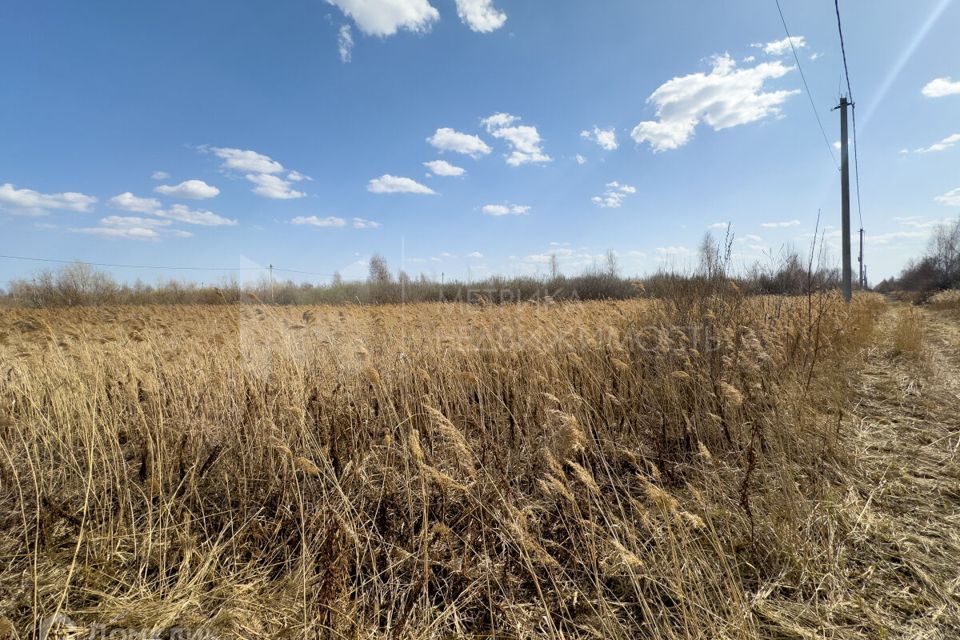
<point>845,199</point>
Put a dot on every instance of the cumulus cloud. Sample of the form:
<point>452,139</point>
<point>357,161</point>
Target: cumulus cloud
<point>606,138</point>
<point>780,225</point>
<point>480,15</point>
<point>474,254</point>
<point>505,210</point>
<point>395,184</point>
<point>717,225</point>
<point>246,161</point>
<point>345,43</point>
<point>160,175</point>
<point>614,195</point>
<point>260,170</point>
<point>315,221</point>
<point>782,47</point>
<point>360,223</point>
<point>580,159</point>
<point>940,87</point>
<point>386,17</point>
<point>446,139</point>
<point>135,233</point>
<point>524,140</point>
<point>133,228</point>
<point>189,189</point>
<point>726,97</point>
<point>444,168</point>
<point>30,202</point>
<point>947,143</point>
<point>129,202</point>
<point>950,198</point>
<point>182,213</point>
<point>273,187</point>
<point>133,221</point>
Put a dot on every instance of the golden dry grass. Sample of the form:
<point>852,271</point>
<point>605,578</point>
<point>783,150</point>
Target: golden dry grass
<point>617,470</point>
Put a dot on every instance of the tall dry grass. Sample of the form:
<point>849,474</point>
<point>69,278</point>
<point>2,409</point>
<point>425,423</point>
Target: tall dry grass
<point>617,470</point>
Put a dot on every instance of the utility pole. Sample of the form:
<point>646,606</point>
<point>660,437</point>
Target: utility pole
<point>272,298</point>
<point>845,199</point>
<point>862,281</point>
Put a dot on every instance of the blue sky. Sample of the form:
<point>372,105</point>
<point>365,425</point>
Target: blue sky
<point>221,133</point>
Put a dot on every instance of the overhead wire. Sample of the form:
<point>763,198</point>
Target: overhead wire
<point>806,86</point>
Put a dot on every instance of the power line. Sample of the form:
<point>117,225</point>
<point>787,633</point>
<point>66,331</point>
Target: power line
<point>813,104</point>
<point>131,266</point>
<point>846,73</point>
<point>306,273</point>
<point>157,267</point>
<point>843,50</point>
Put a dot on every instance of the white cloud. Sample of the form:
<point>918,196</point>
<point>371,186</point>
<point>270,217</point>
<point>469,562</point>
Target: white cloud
<point>129,202</point>
<point>394,184</point>
<point>296,176</point>
<point>947,143</point>
<point>360,223</point>
<point>780,225</point>
<point>133,221</point>
<point>717,225</point>
<point>920,222</point>
<point>181,213</point>
<point>273,187</point>
<point>664,253</point>
<point>505,210</point>
<point>444,168</point>
<point>474,254</point>
<point>246,161</point>
<point>781,47</point>
<point>480,15</point>
<point>498,121</point>
<point>950,198</point>
<point>447,139</point>
<point>523,139</point>
<point>614,195</point>
<point>345,43</point>
<point>314,221</point>
<point>160,175</point>
<point>580,159</point>
<point>894,236</point>
<point>606,138</point>
<point>135,233</point>
<point>815,56</point>
<point>941,87</point>
<point>189,189</point>
<point>726,97</point>
<point>30,202</point>
<point>386,17</point>
<point>132,227</point>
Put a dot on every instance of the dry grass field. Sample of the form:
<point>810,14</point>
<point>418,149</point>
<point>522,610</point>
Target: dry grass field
<point>708,467</point>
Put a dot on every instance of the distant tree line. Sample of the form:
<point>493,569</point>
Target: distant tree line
<point>936,270</point>
<point>79,284</point>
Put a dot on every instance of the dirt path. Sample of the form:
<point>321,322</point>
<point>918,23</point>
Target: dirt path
<point>904,543</point>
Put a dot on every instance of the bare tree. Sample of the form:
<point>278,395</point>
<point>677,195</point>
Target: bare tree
<point>613,265</point>
<point>379,271</point>
<point>554,266</point>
